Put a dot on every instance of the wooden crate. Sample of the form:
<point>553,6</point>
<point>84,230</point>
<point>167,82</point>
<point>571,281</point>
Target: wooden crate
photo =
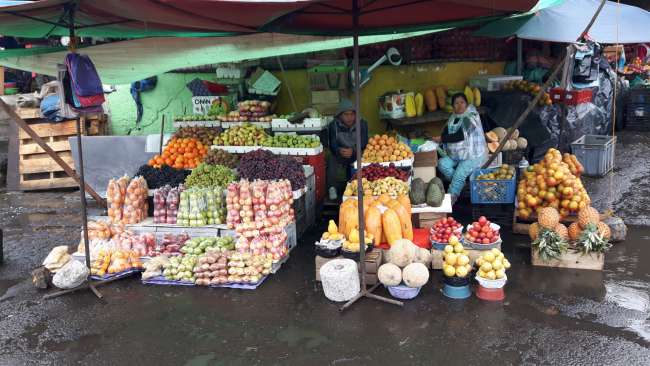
<point>29,113</point>
<point>37,170</point>
<point>572,259</point>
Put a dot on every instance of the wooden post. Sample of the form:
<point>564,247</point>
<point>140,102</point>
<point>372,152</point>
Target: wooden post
<point>2,80</point>
<point>22,124</point>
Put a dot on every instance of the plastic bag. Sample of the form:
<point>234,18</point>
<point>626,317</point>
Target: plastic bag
<point>72,275</point>
<point>160,204</point>
<point>172,202</point>
<point>57,258</point>
<point>428,146</point>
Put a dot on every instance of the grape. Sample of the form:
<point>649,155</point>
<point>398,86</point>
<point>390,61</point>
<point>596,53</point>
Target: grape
<point>262,164</point>
<point>206,175</point>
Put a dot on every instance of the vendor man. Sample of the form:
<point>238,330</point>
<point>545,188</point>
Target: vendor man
<point>342,144</point>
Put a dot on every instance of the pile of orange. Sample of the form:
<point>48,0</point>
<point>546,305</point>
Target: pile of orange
<point>181,153</point>
<point>384,148</point>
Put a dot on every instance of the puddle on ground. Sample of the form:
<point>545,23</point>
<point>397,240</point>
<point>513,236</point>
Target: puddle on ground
<point>79,345</point>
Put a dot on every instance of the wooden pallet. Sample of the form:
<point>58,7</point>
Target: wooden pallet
<point>37,170</point>
<point>572,259</point>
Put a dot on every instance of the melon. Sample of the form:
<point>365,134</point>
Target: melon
<point>415,275</point>
<point>501,132</point>
<point>389,274</point>
<point>574,231</point>
<point>588,215</point>
<point>491,137</point>
<point>548,217</point>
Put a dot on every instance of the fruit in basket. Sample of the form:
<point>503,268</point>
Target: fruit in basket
<point>204,134</point>
<point>206,175</point>
<point>245,135</point>
<point>382,148</point>
<point>492,265</point>
<point>434,195</point>
<point>504,172</point>
<point>389,274</point>
<point>455,259</point>
<point>294,141</point>
<point>221,157</point>
<point>550,183</point>
<point>482,232</point>
<point>443,229</point>
<point>376,171</point>
<point>185,153</point>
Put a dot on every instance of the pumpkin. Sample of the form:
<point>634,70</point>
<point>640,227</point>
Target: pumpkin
<point>405,201</point>
<point>373,224</point>
<point>441,95</point>
<point>430,100</point>
<point>392,228</point>
<point>404,218</point>
<point>491,137</point>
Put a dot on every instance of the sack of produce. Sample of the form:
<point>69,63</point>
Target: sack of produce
<point>172,202</point>
<point>135,202</point>
<point>154,267</point>
<point>160,205</point>
<point>98,230</point>
<point>115,195</point>
<point>72,275</point>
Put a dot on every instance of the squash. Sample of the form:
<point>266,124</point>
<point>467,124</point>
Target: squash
<point>441,95</point>
<point>384,199</point>
<point>392,228</point>
<point>477,97</point>
<point>404,219</point>
<point>389,274</point>
<point>430,100</point>
<point>373,224</point>
<point>409,106</point>
<point>493,146</point>
<point>469,94</point>
<point>406,202</point>
<point>348,218</point>
<point>419,104</point>
<point>491,137</point>
<point>501,132</point>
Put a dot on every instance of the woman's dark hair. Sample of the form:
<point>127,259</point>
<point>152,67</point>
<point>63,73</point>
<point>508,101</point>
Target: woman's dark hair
<point>458,95</point>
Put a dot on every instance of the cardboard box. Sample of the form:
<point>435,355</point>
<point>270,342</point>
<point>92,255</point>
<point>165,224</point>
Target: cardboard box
<point>426,220</point>
<point>426,159</point>
<point>426,173</point>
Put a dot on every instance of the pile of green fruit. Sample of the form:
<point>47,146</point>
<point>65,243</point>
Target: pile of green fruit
<point>206,175</point>
<point>202,206</point>
<point>245,135</point>
<point>198,246</point>
<point>291,141</point>
<point>180,268</point>
<point>504,172</point>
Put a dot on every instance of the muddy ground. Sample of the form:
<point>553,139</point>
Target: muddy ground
<point>550,316</point>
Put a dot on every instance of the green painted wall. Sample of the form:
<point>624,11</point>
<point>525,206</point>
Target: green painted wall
<point>171,97</point>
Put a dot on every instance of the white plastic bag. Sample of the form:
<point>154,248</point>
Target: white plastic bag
<point>428,146</point>
<point>73,274</point>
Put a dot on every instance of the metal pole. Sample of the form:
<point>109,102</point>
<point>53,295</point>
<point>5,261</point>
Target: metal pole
<point>162,132</point>
<point>520,56</point>
<point>82,193</point>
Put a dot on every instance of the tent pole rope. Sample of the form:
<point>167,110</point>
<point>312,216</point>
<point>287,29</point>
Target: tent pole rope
<point>535,100</point>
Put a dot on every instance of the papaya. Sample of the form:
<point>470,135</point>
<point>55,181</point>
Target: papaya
<point>406,202</point>
<point>409,106</point>
<point>430,100</point>
<point>384,199</point>
<point>469,94</point>
<point>419,104</point>
<point>404,218</point>
<point>373,224</point>
<point>441,95</point>
<point>392,227</point>
<point>477,97</point>
<point>348,216</point>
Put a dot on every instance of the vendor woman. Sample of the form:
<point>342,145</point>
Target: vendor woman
<point>342,144</point>
<point>463,145</point>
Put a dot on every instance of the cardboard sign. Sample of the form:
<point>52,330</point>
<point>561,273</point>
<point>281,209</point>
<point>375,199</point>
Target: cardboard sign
<point>201,105</point>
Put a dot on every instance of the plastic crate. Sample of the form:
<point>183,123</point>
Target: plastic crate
<point>491,191</point>
<point>575,97</point>
<point>595,153</point>
<point>557,95</point>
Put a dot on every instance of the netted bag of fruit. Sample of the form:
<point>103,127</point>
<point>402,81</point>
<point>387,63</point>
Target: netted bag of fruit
<point>278,245</point>
<point>259,188</point>
<point>98,230</point>
<point>115,200</point>
<point>172,202</point>
<point>100,265</point>
<point>135,203</point>
<point>198,206</point>
<point>160,204</point>
<point>232,205</point>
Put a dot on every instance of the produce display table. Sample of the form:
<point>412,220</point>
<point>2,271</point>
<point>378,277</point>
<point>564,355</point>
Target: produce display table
<point>307,125</point>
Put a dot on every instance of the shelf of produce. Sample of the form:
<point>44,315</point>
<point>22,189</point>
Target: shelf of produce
<point>226,125</point>
<point>307,125</point>
<point>276,150</point>
<point>400,164</point>
<point>445,207</point>
<point>180,124</point>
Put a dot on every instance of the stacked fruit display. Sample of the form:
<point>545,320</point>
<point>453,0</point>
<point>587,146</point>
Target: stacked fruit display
<point>376,171</point>
<point>246,135</point>
<point>388,220</point>
<point>443,229</point>
<point>165,204</point>
<point>492,265</point>
<point>455,259</point>
<point>195,117</point>
<point>405,263</point>
<point>181,153</point>
<point>211,268</point>
<point>181,268</point>
<point>110,262</point>
<point>264,165</point>
<point>550,183</point>
<point>255,110</point>
<point>531,88</point>
<point>198,246</point>
<point>201,206</point>
<point>292,141</point>
<point>390,185</point>
<point>203,134</point>
<point>170,245</point>
<point>382,148</point>
<point>206,175</point>
<point>142,244</point>
<point>248,268</point>
<point>498,134</point>
<point>575,167</point>
<point>332,232</point>
<point>482,232</point>
<point>222,157</point>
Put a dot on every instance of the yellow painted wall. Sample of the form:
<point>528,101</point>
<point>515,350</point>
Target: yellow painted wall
<point>389,78</point>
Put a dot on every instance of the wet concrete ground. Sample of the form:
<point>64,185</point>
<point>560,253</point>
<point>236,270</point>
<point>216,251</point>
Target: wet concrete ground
<point>550,316</point>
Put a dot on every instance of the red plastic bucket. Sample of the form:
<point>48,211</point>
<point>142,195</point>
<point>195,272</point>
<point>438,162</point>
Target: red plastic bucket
<point>490,294</point>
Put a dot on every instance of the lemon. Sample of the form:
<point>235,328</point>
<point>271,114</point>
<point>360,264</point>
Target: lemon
<point>451,258</point>
<point>449,249</point>
<point>458,248</point>
<point>481,273</point>
<point>500,273</point>
<point>462,260</point>
<point>490,275</point>
<point>461,271</point>
<point>489,257</point>
<point>497,265</point>
<point>486,267</point>
<point>449,271</point>
<point>506,264</point>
